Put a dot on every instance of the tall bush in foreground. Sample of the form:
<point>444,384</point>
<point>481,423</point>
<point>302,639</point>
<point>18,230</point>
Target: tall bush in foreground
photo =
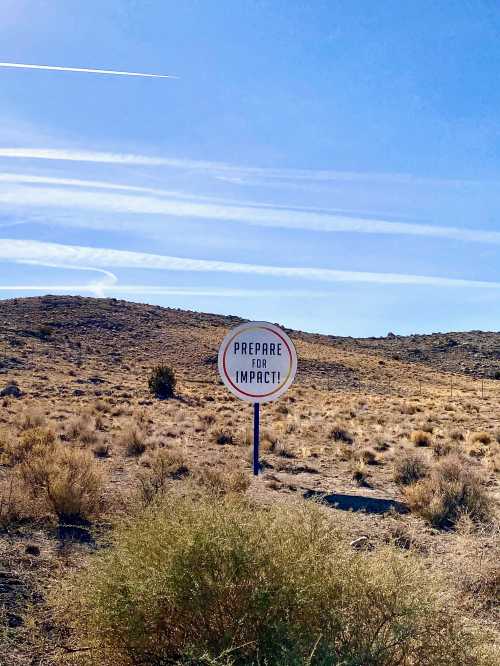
<point>221,581</point>
<point>162,382</point>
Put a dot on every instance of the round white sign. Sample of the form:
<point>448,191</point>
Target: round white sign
<point>257,361</point>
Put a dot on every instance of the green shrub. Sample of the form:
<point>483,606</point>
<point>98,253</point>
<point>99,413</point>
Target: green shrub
<point>162,382</point>
<point>190,580</point>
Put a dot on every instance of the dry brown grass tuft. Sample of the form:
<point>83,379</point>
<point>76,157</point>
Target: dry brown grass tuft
<point>270,437</point>
<point>132,439</point>
<point>481,438</point>
<point>360,473</point>
<point>31,418</point>
<point>410,410</point>
<point>223,437</point>
<point>456,436</point>
<point>7,438</point>
<point>64,481</point>
<point>13,504</point>
<point>427,426</point>
<point>79,428</point>
<point>161,467</point>
<point>409,468</point>
<point>17,450</point>
<point>442,448</point>
<point>88,435</point>
<point>222,481</point>
<point>99,423</point>
<point>421,438</point>
<point>340,434</point>
<point>281,449</point>
<point>381,445</point>
<point>102,449</point>
<point>207,419</point>
<point>368,456</point>
<point>101,406</point>
<point>450,490</point>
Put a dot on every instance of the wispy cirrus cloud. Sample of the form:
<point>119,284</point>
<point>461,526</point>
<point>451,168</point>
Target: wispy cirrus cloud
<point>85,70</point>
<point>233,172</point>
<point>171,204</point>
<point>75,256</point>
<point>25,178</point>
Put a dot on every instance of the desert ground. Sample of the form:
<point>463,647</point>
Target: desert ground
<point>372,427</point>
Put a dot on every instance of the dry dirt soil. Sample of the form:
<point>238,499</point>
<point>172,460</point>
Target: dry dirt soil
<point>358,406</point>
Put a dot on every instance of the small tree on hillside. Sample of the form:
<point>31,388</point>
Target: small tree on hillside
<point>162,382</point>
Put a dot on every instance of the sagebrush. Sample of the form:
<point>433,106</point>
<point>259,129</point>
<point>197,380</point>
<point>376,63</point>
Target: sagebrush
<point>190,580</point>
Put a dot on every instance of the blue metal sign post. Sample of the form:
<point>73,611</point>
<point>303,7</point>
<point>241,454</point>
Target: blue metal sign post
<point>256,426</point>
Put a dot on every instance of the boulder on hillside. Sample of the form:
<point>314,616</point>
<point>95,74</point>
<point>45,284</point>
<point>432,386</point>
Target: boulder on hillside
<point>12,390</point>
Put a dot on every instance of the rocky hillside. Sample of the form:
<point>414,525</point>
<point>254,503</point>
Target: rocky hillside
<point>120,332</point>
<point>475,353</point>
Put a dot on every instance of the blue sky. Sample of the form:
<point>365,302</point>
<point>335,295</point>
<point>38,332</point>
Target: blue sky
<point>331,166</point>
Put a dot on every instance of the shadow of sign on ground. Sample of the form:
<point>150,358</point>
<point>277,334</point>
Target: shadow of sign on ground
<point>356,503</point>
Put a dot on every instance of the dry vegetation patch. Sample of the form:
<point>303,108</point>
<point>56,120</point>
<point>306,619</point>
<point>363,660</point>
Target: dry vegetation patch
<point>409,468</point>
<point>450,490</point>
<point>421,438</point>
<point>224,580</point>
<point>64,481</point>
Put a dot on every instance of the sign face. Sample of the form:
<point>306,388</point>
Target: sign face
<point>257,361</point>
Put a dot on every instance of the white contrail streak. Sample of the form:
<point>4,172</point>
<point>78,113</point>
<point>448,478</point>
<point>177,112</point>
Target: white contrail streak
<point>52,197</point>
<point>77,255</point>
<point>97,287</point>
<point>95,157</point>
<point>86,70</point>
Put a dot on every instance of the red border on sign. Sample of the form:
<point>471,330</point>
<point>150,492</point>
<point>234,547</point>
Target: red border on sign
<point>257,395</point>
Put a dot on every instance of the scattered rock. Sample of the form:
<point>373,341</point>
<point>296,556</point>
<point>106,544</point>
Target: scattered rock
<point>361,543</point>
<point>14,620</point>
<point>32,549</point>
<point>12,390</point>
<point>210,360</point>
